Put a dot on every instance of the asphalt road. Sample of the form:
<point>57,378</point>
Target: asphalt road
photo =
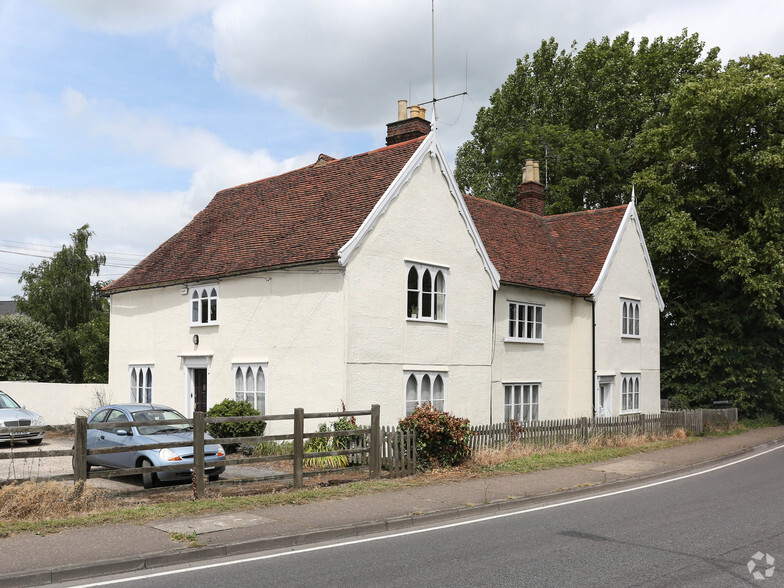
<point>697,530</point>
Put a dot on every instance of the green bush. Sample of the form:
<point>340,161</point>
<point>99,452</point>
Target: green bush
<point>345,424</point>
<point>679,402</point>
<point>230,408</point>
<point>319,444</point>
<point>442,440</point>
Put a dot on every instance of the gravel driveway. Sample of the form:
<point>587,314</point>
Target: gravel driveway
<point>46,467</point>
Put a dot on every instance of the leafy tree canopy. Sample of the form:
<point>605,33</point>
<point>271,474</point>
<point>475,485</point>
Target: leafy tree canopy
<point>28,350</point>
<point>61,294</point>
<point>712,177</point>
<point>577,113</point>
<point>704,146</point>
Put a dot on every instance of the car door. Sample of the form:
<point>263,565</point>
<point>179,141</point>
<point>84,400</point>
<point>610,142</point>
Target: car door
<point>116,437</point>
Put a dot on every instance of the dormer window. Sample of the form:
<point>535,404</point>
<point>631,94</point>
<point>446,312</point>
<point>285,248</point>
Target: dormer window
<point>204,305</point>
<point>426,292</point>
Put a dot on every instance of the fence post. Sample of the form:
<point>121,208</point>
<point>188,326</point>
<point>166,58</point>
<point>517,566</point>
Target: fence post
<point>641,418</point>
<point>299,448</point>
<point>80,449</point>
<point>584,429</point>
<point>198,455</point>
<point>374,456</point>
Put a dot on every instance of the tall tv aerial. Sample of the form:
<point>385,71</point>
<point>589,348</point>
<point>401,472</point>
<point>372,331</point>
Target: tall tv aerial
<point>435,100</point>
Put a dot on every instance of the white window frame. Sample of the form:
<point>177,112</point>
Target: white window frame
<point>521,401</point>
<point>630,393</point>
<point>529,329</point>
<point>253,375</point>
<point>630,318</point>
<point>419,387</point>
<point>141,379</point>
<point>426,301</point>
<point>204,305</point>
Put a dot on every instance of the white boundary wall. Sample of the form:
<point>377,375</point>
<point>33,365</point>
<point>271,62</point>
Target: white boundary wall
<point>57,403</point>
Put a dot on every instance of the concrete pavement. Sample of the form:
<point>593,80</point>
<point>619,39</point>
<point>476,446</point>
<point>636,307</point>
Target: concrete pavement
<point>31,560</point>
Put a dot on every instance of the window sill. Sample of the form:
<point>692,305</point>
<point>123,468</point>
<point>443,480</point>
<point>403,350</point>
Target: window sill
<point>637,337</point>
<point>412,319</point>
<point>514,340</point>
<point>197,325</point>
<point>629,412</point>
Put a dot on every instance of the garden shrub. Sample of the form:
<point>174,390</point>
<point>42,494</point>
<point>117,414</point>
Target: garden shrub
<point>442,439</point>
<point>345,424</point>
<point>230,408</point>
<point>319,444</point>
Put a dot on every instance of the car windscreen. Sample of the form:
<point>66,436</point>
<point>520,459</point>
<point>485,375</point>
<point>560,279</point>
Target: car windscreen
<point>163,428</point>
<point>7,402</point>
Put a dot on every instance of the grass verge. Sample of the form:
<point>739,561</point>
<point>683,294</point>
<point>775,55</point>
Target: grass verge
<point>68,509</point>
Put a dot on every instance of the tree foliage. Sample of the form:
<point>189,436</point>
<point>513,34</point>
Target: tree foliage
<point>577,113</point>
<point>61,294</point>
<point>712,176</point>
<point>704,146</point>
<point>29,350</point>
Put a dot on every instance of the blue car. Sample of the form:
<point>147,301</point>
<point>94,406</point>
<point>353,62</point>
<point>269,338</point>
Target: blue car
<point>160,432</point>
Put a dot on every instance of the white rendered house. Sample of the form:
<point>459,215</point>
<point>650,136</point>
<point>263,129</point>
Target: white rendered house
<point>372,279</point>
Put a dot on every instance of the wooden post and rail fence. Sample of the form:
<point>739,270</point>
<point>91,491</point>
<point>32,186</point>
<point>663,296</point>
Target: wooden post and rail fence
<point>377,448</point>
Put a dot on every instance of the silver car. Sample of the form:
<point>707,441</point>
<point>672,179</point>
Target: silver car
<point>160,432</point>
<point>13,415</point>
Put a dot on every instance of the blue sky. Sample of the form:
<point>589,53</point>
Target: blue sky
<point>129,116</point>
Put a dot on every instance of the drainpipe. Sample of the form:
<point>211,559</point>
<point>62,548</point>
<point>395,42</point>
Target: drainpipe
<point>593,354</point>
<point>492,357</point>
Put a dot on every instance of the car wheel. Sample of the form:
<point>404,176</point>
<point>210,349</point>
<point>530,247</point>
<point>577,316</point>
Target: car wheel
<point>213,477</point>
<point>34,441</point>
<point>149,479</point>
<point>73,465</point>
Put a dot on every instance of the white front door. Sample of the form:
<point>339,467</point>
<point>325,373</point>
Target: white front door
<point>604,397</point>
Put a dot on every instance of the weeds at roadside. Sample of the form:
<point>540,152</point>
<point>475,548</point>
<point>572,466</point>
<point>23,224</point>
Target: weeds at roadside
<point>46,500</point>
<point>519,458</point>
<point>189,538</point>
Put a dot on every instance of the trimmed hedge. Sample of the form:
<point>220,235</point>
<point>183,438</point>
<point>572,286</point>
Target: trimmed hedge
<point>230,408</point>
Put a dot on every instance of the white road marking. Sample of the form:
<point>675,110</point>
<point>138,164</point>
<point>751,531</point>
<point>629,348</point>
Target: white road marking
<point>431,529</point>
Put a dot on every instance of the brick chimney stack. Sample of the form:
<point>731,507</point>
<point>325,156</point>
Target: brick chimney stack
<point>405,128</point>
<point>531,194</point>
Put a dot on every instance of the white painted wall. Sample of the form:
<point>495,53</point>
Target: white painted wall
<point>291,320</point>
<point>561,365</point>
<point>59,404</point>
<point>629,278</point>
<point>421,225</point>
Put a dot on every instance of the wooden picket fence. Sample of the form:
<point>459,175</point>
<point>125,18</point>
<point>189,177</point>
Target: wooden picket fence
<point>580,430</point>
<point>398,452</point>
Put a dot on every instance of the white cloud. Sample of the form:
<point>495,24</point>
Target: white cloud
<point>215,165</point>
<point>132,17</point>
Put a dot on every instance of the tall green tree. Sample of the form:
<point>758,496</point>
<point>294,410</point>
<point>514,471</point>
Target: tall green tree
<point>62,294</point>
<point>712,181</point>
<point>704,146</point>
<point>577,113</point>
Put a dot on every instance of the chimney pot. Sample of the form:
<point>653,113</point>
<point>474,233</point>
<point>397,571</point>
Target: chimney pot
<point>402,109</point>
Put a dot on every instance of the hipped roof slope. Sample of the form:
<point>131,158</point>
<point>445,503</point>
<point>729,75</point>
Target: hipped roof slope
<point>562,253</point>
<point>300,217</point>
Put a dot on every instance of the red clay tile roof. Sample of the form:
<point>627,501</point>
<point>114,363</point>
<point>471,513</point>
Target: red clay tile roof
<point>304,216</point>
<point>563,253</point>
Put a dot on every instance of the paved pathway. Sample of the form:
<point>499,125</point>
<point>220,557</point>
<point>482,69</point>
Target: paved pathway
<point>29,560</point>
